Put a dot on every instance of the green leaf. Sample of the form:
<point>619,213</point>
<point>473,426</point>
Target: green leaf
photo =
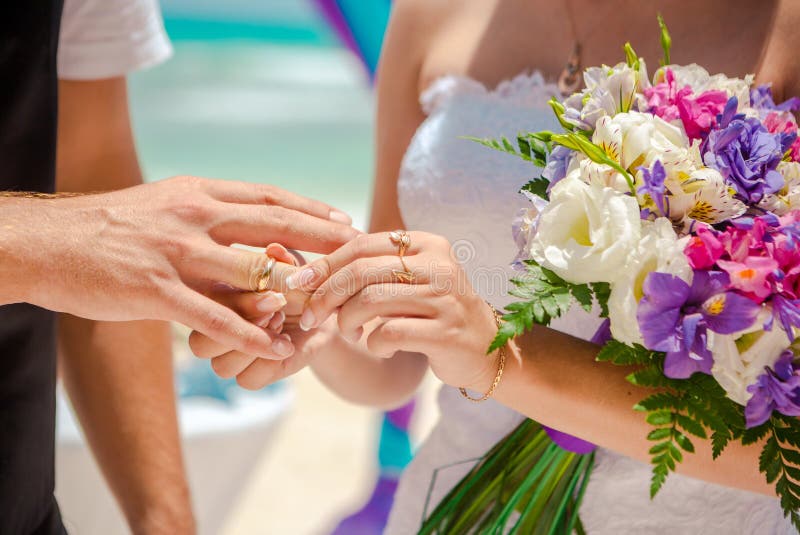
<point>623,355</point>
<point>691,425</point>
<point>602,291</point>
<point>538,187</point>
<point>583,295</point>
<point>658,401</point>
<point>719,441</point>
<point>660,418</point>
<point>661,447</point>
<point>659,434</point>
<point>666,40</point>
<point>683,441</point>
<point>755,434</point>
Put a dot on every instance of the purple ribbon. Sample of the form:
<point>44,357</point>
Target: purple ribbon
<point>564,440</point>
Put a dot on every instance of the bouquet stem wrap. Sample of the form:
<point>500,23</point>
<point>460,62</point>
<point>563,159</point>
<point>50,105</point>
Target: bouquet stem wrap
<point>525,484</point>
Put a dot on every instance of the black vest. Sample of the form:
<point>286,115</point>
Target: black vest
<point>28,120</point>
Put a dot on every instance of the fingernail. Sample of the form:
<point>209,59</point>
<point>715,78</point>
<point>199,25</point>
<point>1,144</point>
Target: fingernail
<point>270,302</point>
<point>264,322</point>
<point>307,320</point>
<point>300,279</point>
<point>340,217</point>
<point>277,322</point>
<point>283,347</point>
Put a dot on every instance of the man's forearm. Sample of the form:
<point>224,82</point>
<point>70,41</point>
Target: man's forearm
<point>24,225</point>
<point>120,380</point>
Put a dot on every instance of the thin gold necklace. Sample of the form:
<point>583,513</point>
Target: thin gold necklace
<point>570,79</point>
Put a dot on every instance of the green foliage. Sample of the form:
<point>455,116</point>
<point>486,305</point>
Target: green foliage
<point>696,406</point>
<point>666,40</point>
<point>699,407</point>
<point>631,57</point>
<point>544,296</point>
<point>532,147</point>
<point>538,187</point>
<point>580,142</point>
<point>602,291</point>
<point>780,462</point>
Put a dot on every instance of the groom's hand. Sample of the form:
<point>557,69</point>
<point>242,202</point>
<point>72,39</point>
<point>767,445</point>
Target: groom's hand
<point>149,252</point>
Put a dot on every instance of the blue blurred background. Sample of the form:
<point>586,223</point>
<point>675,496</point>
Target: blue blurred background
<point>260,91</point>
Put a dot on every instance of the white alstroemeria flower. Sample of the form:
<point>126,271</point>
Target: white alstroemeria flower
<point>700,81</point>
<point>658,250</point>
<point>702,196</point>
<point>608,91</point>
<point>638,139</point>
<point>586,232</point>
<point>788,198</point>
<point>602,175</point>
<point>741,357</point>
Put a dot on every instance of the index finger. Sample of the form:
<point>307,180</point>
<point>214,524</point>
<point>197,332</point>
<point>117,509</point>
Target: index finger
<point>260,225</point>
<point>265,194</point>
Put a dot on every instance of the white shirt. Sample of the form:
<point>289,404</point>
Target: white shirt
<point>109,38</point>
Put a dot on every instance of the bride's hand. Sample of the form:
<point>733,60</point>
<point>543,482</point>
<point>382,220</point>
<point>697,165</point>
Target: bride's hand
<point>438,313</point>
<point>269,311</point>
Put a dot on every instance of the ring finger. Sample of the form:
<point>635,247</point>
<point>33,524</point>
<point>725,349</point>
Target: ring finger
<point>357,275</point>
<point>384,301</point>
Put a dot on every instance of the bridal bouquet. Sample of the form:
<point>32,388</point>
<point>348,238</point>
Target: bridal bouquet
<point>671,207</point>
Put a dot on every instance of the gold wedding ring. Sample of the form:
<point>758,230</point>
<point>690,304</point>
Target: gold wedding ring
<point>402,239</point>
<point>263,279</point>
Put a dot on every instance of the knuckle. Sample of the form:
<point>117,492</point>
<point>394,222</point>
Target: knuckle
<point>214,321</point>
<point>269,194</point>
<point>247,380</point>
<point>197,343</point>
<point>369,296</point>
<point>250,340</point>
<point>278,219</point>
<point>195,208</point>
<point>222,368</point>
<point>361,244</point>
<point>390,332</point>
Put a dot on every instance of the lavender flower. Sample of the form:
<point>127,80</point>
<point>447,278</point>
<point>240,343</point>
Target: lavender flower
<point>778,388</point>
<point>675,318</point>
<point>746,153</point>
<point>761,99</point>
<point>557,164</point>
<point>654,185</point>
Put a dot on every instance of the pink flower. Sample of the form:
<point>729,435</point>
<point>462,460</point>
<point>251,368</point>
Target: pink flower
<point>783,122</point>
<point>703,249</point>
<point>698,114</point>
<point>751,276</point>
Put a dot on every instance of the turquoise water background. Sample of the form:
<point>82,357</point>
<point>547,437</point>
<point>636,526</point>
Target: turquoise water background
<point>257,91</point>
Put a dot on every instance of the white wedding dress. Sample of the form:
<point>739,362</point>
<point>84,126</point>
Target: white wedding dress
<point>456,188</point>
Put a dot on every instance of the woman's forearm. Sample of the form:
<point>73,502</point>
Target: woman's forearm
<point>554,379</point>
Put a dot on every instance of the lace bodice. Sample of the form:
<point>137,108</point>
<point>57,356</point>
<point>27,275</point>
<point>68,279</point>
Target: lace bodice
<point>452,186</point>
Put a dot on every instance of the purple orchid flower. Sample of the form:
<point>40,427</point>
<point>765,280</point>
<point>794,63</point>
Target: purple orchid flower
<point>654,184</point>
<point>746,153</point>
<point>787,311</point>
<point>675,318</point>
<point>778,388</point>
<point>761,99</point>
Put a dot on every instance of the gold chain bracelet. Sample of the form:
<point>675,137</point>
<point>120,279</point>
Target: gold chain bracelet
<point>500,367</point>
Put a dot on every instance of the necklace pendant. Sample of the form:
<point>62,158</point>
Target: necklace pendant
<point>570,78</point>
